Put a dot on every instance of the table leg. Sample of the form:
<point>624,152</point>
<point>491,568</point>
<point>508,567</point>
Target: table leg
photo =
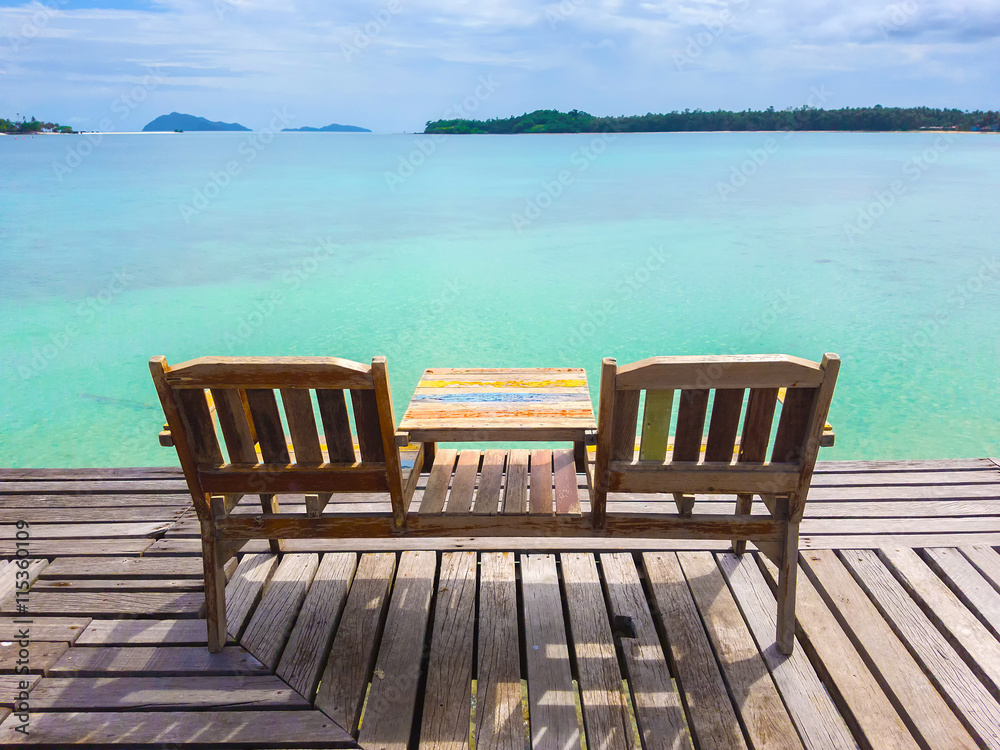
<point>430,449</point>
<point>580,454</point>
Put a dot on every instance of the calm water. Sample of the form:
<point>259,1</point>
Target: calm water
<point>498,251</point>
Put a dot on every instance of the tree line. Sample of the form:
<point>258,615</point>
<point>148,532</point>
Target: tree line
<point>873,119</point>
<point>23,126</point>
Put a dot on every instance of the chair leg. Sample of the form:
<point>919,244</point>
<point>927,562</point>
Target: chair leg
<point>269,503</point>
<point>213,559</point>
<point>743,505</point>
<point>785,635</point>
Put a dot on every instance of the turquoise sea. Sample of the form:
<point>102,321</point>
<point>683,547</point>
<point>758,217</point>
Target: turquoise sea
<point>547,250</point>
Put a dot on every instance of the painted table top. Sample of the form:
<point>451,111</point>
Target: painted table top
<point>465,404</point>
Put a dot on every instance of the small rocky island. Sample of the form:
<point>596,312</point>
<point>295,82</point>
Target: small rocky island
<point>176,121</point>
<point>332,128</point>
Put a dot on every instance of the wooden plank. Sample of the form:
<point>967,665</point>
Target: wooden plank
<point>66,629</point>
<point>37,658</point>
<point>867,709</point>
<point>515,500</point>
<point>131,567</point>
<point>301,425</point>
<point>336,425</point>
<point>118,584</point>
<point>14,687</point>
<point>490,478</point>
<point>923,708</point>
<point>793,425</point>
<point>764,716</point>
<point>724,424</point>
<point>448,694</point>
<point>757,424</point>
<point>721,371</point>
<point>16,577</point>
<point>968,584</point>
<point>464,484</point>
<point>181,604</point>
<point>819,723</point>
<point>656,415</point>
<point>712,719</point>
<point>247,729</point>
<point>86,531</point>
<point>230,692</point>
<point>267,424</point>
<point>986,560</point>
<point>199,426</point>
<point>540,497</point>
<point>961,627</point>
<point>236,430</point>
<point>245,589</point>
<point>95,487</point>
<point>274,617</point>
<point>41,548</point>
<point>342,687</point>
<point>657,704</point>
<point>551,695</point>
<point>499,723</point>
<point>270,372</point>
<point>438,481</point>
<point>392,699</point>
<point>154,661</point>
<point>308,646</point>
<point>626,412</point>
<point>366,422</point>
<point>567,492</point>
<point>966,695</point>
<point>92,516</point>
<point>690,429</point>
<point>166,632</point>
<point>122,473</point>
<point>605,709</point>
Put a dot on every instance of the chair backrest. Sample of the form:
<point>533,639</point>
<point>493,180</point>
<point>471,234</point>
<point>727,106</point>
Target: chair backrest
<point>729,459</point>
<point>240,396</point>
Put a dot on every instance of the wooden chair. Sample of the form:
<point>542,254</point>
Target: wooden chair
<point>240,393</point>
<point>728,463</point>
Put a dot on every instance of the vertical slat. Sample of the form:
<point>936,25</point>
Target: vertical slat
<point>367,423</point>
<point>490,478</point>
<point>464,483</point>
<point>235,427</point>
<point>499,725</point>
<point>567,493</point>
<point>336,426</point>
<point>301,425</point>
<point>626,413</point>
<point>387,438</point>
<point>793,426</point>
<point>605,443</point>
<point>437,483</point>
<point>199,426</point>
<point>515,499</point>
<point>757,424</point>
<point>690,424</point>
<point>267,420</point>
<point>540,495</point>
<point>724,424</point>
<point>656,425</point>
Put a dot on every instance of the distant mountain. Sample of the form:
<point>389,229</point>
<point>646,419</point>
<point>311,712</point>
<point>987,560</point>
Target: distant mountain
<point>334,128</point>
<point>177,121</point>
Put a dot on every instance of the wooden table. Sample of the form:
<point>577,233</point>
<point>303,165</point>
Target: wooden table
<point>480,405</point>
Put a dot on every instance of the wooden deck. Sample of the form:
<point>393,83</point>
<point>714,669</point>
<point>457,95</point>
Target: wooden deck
<point>509,643</point>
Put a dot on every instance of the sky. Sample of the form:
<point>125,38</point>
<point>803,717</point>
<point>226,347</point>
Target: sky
<point>393,65</point>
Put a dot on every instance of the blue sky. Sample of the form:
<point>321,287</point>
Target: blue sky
<point>392,65</point>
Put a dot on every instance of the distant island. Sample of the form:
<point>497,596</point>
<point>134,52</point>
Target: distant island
<point>27,127</point>
<point>871,119</point>
<point>333,128</point>
<point>176,121</point>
